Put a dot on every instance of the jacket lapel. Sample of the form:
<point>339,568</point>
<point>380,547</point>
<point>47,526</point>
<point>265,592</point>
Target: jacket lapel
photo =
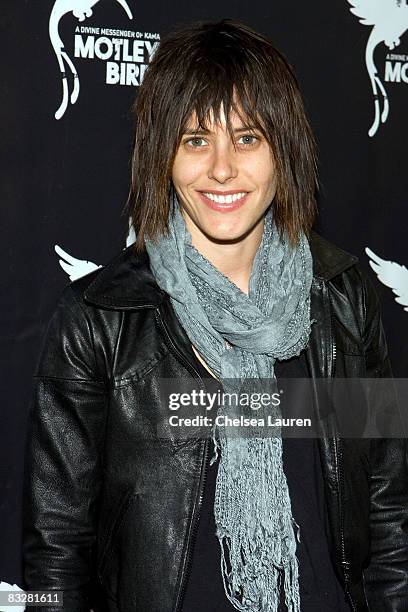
<point>125,283</point>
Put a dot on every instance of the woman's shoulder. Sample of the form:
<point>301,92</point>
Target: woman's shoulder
<point>125,282</point>
<point>88,314</point>
<point>353,296</point>
<point>329,260</point>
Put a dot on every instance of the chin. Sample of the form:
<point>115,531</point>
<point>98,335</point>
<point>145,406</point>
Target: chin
<point>226,232</point>
<point>219,228</point>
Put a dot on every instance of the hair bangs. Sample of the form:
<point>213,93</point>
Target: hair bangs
<point>227,87</point>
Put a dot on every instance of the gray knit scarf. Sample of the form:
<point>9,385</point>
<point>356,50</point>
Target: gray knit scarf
<point>240,336</point>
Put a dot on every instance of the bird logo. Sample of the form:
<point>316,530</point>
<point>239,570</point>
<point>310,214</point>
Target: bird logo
<point>81,9</point>
<point>392,275</point>
<point>77,268</point>
<point>389,19</point>
<point>5,587</point>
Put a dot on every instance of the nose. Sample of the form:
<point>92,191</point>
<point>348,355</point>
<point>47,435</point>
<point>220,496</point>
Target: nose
<point>223,163</point>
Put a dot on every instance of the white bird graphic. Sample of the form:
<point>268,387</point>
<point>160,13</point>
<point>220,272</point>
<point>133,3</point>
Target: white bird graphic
<point>390,21</point>
<point>392,275</point>
<point>80,9</point>
<point>5,586</point>
<point>76,268</point>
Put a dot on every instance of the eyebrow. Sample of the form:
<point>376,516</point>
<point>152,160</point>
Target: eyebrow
<point>195,132</point>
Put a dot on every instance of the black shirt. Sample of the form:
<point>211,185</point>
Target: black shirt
<point>320,590</point>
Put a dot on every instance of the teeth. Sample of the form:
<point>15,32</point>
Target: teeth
<point>228,199</point>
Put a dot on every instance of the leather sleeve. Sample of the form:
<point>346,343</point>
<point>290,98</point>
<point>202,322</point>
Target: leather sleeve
<point>62,469</point>
<point>386,578</point>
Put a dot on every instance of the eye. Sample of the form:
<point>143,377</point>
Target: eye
<point>192,142</point>
<point>251,137</point>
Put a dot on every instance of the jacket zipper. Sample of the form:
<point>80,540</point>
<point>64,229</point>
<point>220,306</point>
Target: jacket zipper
<point>339,477</point>
<point>345,564</point>
<point>203,474</point>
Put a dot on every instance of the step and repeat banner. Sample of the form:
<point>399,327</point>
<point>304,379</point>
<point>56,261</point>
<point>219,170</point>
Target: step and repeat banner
<point>71,70</point>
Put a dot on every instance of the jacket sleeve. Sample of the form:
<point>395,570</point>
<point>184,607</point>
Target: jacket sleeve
<point>62,468</point>
<point>386,578</point>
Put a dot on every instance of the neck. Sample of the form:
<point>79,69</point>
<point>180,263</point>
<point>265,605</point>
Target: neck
<point>233,259</point>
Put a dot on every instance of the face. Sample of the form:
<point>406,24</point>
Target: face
<point>224,191</point>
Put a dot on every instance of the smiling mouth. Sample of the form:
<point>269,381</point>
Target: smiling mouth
<point>224,202</point>
<point>227,198</point>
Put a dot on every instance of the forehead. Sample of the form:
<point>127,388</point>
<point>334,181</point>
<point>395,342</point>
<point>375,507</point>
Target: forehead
<point>210,121</point>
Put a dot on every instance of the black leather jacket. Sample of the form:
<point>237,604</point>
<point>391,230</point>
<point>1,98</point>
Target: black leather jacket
<point>110,511</point>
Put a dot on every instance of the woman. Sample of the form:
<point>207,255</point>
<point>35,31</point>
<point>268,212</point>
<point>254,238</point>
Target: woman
<point>226,281</point>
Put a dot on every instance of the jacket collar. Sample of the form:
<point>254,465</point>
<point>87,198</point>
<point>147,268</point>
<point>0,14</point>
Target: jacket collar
<point>127,283</point>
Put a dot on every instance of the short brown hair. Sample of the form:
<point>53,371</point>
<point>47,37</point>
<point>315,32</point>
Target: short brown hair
<point>199,68</point>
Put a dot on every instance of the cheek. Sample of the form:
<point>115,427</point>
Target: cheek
<point>184,171</point>
<point>269,181</point>
<point>262,171</point>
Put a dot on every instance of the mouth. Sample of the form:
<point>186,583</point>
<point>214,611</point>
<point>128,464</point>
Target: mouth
<point>224,201</point>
